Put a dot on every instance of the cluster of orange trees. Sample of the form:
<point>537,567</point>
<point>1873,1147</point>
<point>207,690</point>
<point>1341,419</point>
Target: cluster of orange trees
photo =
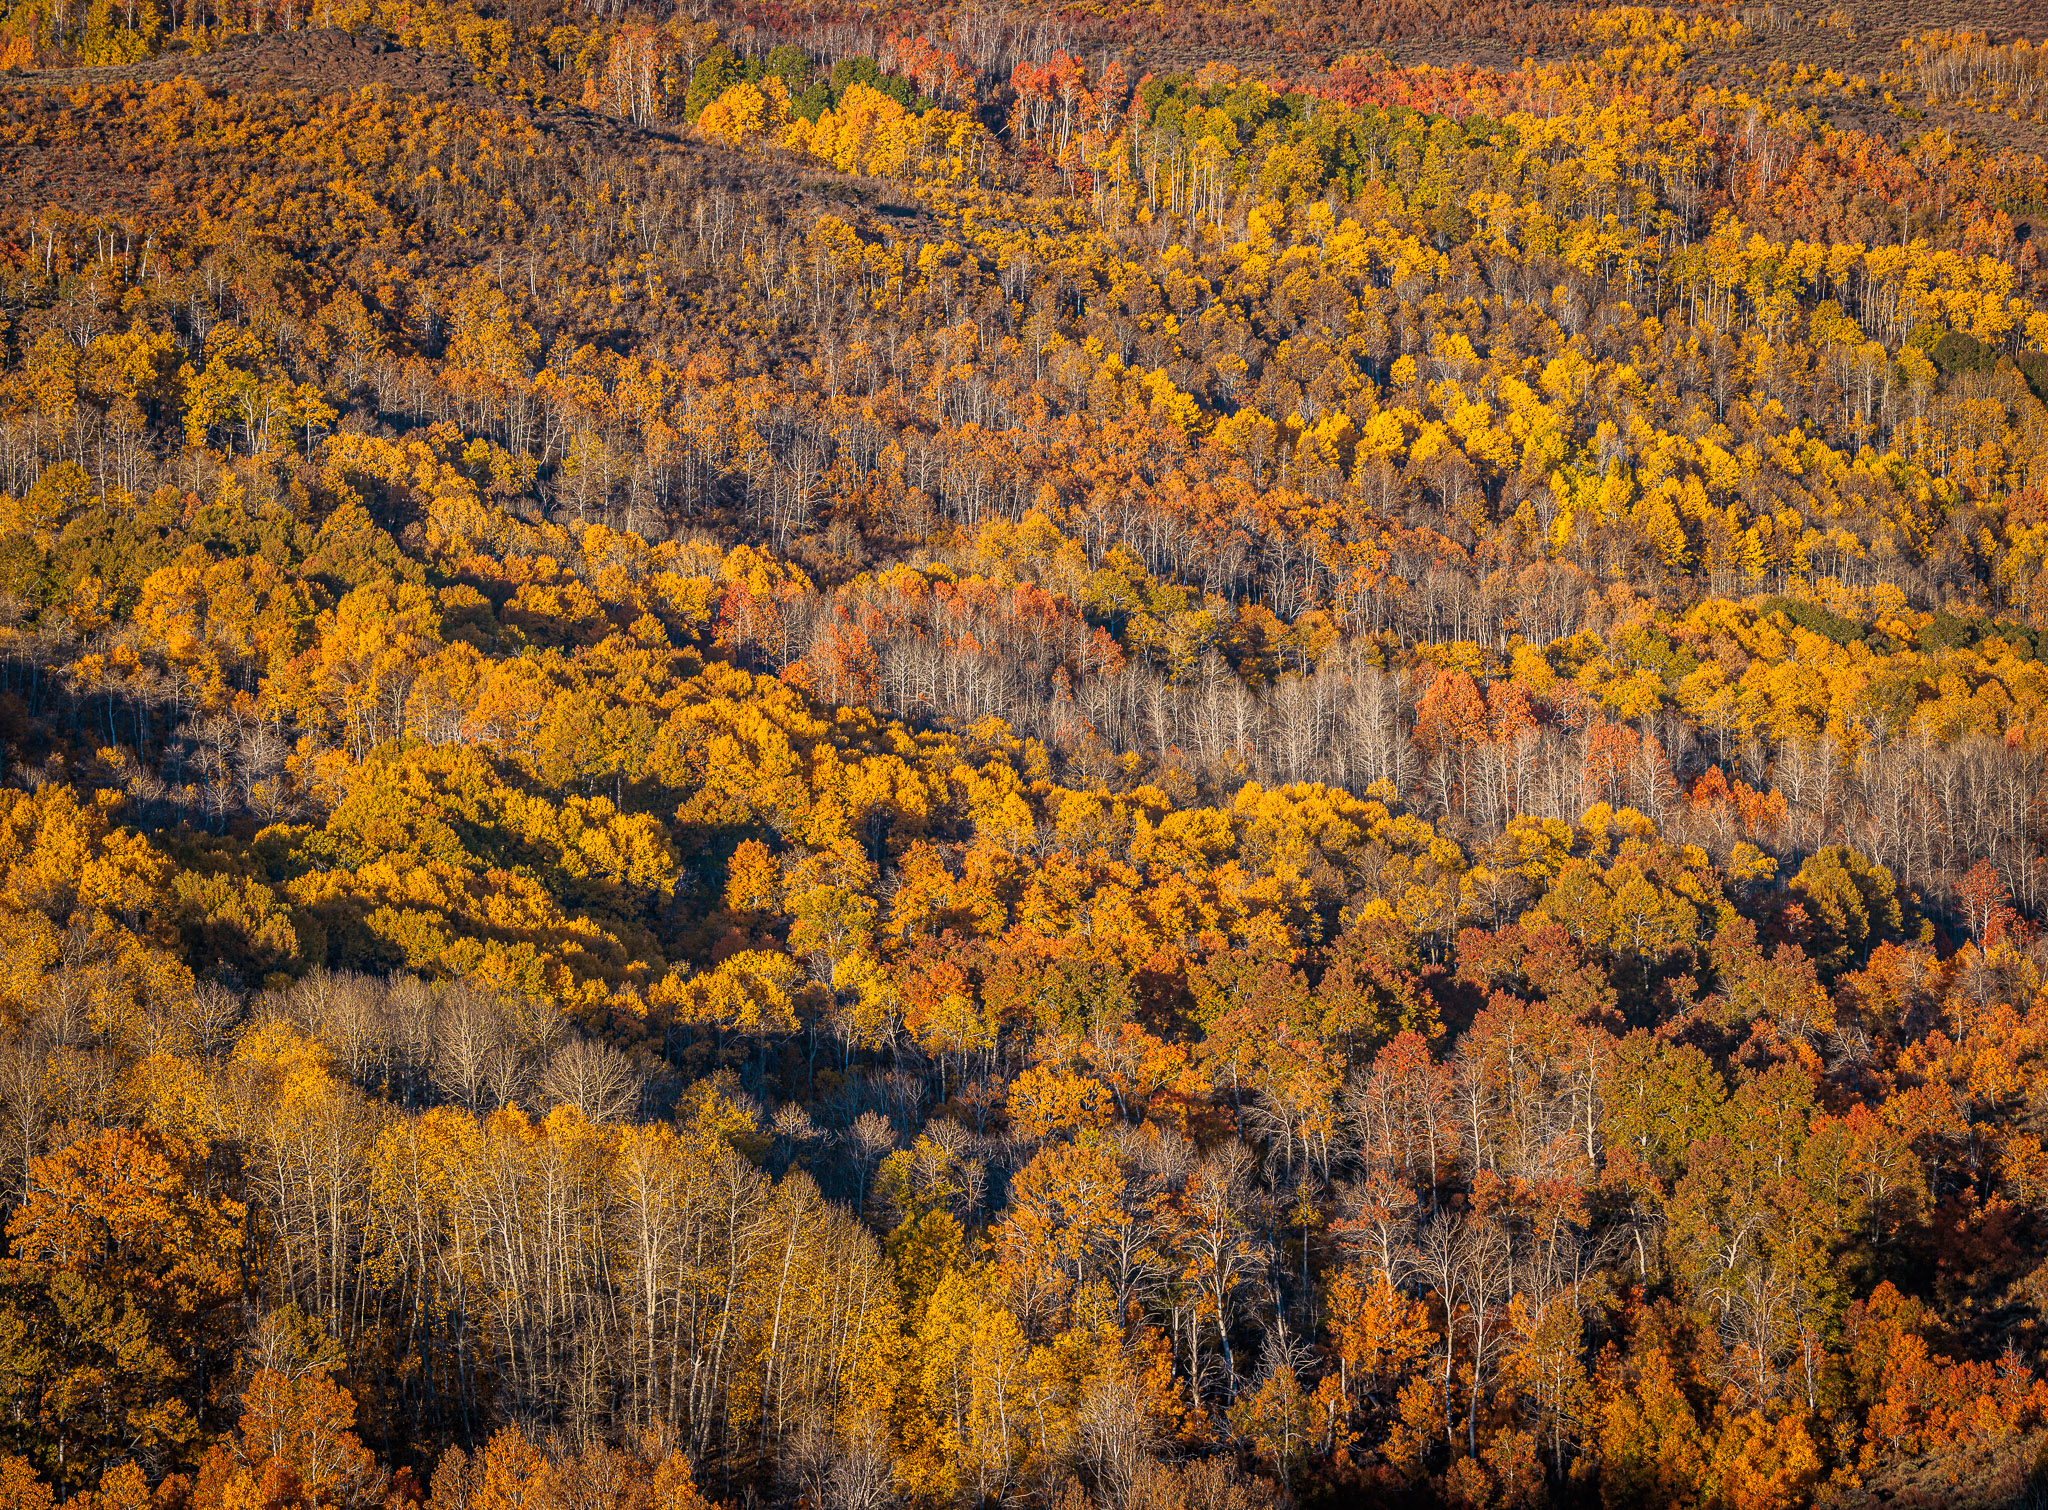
<point>864,761</point>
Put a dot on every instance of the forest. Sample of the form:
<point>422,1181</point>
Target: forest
<point>1065,754</point>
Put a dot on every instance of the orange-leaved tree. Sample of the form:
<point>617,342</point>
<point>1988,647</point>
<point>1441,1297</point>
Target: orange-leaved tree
<point>118,1301</point>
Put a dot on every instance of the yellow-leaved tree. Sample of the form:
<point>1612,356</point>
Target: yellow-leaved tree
<point>745,112</point>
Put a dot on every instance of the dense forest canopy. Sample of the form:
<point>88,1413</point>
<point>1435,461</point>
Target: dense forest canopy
<point>1063,755</point>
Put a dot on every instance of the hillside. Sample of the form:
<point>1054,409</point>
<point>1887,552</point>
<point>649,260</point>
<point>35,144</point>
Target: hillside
<point>1075,756</point>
